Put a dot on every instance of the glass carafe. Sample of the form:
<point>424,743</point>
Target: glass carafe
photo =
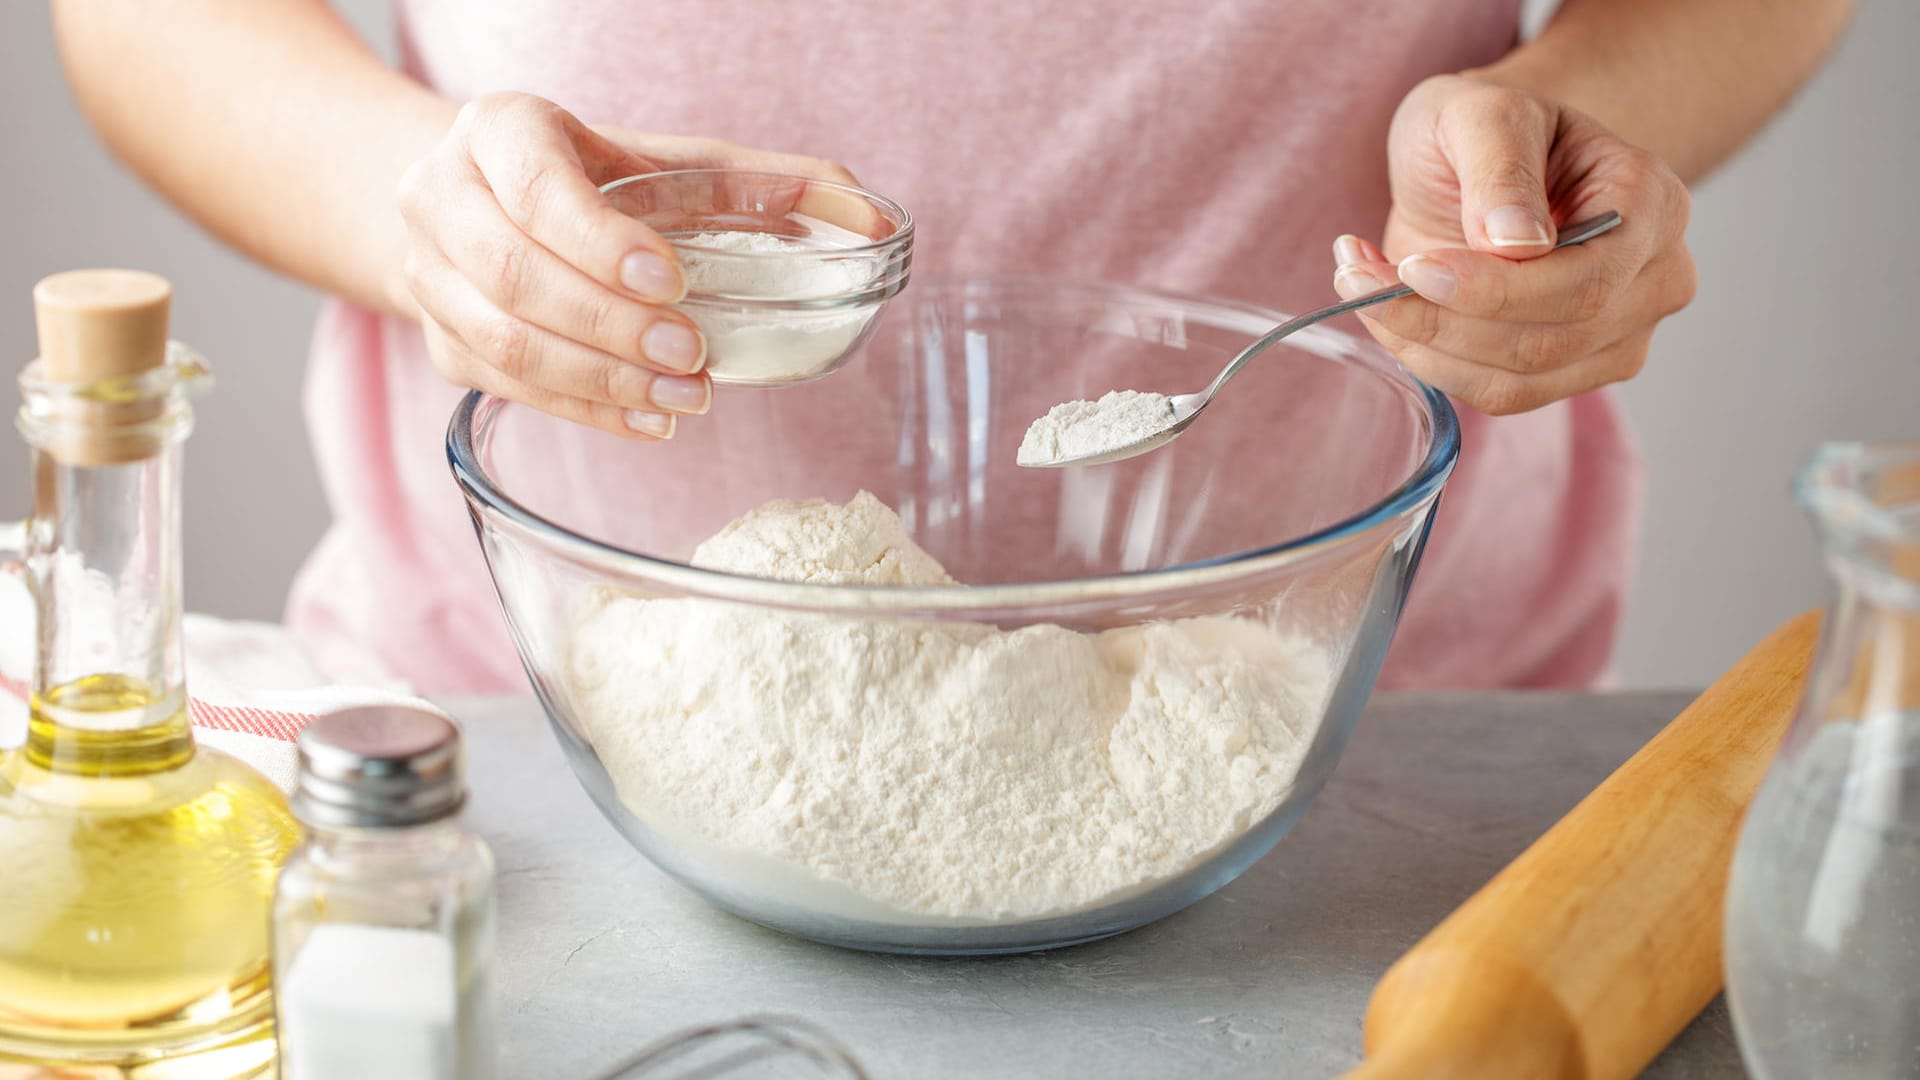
<point>1823,906</point>
<point>136,869</point>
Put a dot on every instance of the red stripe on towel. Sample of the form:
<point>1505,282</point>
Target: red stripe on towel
<point>265,723</point>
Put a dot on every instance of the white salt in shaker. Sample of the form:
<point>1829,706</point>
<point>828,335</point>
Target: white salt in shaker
<point>383,919</point>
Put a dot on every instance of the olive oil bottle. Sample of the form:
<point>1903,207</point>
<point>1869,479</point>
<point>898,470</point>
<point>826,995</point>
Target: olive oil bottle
<point>136,869</point>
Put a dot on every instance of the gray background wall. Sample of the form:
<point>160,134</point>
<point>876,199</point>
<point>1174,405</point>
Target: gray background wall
<point>1803,331</point>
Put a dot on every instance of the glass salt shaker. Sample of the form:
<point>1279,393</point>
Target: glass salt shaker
<point>383,921</point>
<point>1823,906</point>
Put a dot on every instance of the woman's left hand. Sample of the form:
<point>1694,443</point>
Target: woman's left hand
<point>1482,176</point>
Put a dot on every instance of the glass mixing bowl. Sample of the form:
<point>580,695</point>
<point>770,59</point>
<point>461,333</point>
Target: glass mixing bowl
<point>1300,501</point>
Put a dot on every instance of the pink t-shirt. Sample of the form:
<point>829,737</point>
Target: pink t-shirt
<point>1250,132</point>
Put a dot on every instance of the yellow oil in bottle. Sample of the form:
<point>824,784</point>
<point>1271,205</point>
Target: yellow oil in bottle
<point>136,876</point>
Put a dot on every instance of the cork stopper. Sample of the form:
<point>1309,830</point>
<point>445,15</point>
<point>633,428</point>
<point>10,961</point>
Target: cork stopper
<point>97,327</point>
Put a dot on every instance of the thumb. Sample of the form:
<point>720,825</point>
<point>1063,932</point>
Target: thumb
<point>603,155</point>
<point>1498,144</point>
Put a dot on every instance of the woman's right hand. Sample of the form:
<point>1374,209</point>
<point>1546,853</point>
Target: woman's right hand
<point>529,286</point>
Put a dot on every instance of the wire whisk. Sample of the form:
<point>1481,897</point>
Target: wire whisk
<point>791,1046</point>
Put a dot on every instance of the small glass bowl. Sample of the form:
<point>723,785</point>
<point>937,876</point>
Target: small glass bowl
<point>789,288</point>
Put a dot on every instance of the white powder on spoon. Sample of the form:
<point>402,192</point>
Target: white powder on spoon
<point>759,347</point>
<point>944,770</point>
<point>1078,428</point>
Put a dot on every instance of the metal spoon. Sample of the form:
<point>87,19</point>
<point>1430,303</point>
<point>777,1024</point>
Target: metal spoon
<point>1186,407</point>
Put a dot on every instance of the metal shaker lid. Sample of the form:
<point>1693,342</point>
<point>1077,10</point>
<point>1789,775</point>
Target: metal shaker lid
<point>378,767</point>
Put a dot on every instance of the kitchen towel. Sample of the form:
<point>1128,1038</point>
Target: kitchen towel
<point>252,688</point>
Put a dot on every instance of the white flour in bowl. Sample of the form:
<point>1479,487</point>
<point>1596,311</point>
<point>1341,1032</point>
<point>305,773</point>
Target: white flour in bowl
<point>746,346</point>
<point>937,769</point>
<point>1079,428</point>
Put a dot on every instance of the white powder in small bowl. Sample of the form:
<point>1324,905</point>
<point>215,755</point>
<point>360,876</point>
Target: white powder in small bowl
<point>1079,428</point>
<point>769,347</point>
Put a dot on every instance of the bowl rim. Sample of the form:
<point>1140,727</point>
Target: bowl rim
<point>901,235</point>
<point>1421,487</point>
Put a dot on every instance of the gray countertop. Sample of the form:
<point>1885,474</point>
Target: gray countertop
<point>601,954</point>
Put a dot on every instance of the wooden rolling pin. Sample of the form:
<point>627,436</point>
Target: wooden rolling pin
<point>1589,952</point>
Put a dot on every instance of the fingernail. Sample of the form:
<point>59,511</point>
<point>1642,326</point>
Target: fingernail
<point>673,345</point>
<point>650,423</point>
<point>1429,277</point>
<point>1352,281</point>
<point>681,393</point>
<point>651,276</point>
<point>1514,226</point>
<point>1347,249</point>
